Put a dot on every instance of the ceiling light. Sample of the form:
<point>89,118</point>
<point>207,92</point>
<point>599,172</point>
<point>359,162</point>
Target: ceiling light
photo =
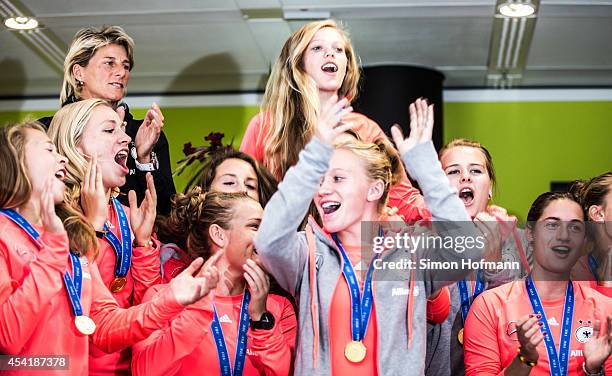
<point>516,10</point>
<point>21,23</point>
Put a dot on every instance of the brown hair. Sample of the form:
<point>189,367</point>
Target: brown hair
<point>192,215</point>
<point>266,183</point>
<point>16,188</point>
<point>592,192</point>
<point>291,101</point>
<point>475,145</point>
<point>541,203</point>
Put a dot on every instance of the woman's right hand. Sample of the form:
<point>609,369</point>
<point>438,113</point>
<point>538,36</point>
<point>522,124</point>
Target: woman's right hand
<point>329,122</point>
<point>421,127</point>
<point>50,221</point>
<point>188,288</point>
<point>530,335</point>
<point>93,196</point>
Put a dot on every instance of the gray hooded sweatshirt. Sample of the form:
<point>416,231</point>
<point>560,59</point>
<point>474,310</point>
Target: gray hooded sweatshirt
<point>285,254</point>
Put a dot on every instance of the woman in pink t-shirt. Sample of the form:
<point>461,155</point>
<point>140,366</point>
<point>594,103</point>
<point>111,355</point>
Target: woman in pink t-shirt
<point>544,324</point>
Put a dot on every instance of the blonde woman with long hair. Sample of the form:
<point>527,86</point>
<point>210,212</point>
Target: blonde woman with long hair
<point>91,135</point>
<point>53,302</point>
<point>316,63</point>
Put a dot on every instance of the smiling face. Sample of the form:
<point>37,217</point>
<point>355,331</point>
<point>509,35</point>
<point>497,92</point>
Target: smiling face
<point>466,170</point>
<point>235,175</point>
<point>558,236</point>
<point>106,74</point>
<point>346,193</point>
<point>104,137</point>
<point>243,228</point>
<point>44,165</point>
<point>325,59</point>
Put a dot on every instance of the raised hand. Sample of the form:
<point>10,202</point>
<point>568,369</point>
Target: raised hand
<point>599,347</point>
<point>148,133</point>
<point>188,288</point>
<point>142,218</point>
<point>421,127</point>
<point>329,122</point>
<point>529,336</point>
<point>506,221</point>
<point>93,196</point>
<point>259,286</point>
<point>50,220</point>
<point>491,229</point>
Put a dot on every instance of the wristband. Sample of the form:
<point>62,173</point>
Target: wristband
<point>600,371</point>
<point>524,360</point>
<point>151,166</point>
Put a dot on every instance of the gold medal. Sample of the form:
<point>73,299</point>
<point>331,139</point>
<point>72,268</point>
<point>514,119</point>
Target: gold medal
<point>118,284</point>
<point>355,351</point>
<point>460,336</point>
<point>85,325</point>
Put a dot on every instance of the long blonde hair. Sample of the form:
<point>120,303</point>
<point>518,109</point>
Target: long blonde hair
<point>16,188</point>
<point>66,131</point>
<point>84,45</point>
<point>291,100</point>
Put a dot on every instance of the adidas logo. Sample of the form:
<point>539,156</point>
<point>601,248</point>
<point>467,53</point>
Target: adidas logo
<point>553,321</point>
<point>225,319</point>
<point>358,267</point>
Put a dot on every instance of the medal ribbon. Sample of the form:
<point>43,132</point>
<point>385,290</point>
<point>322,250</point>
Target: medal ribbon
<point>123,248</point>
<point>23,224</point>
<point>241,342</point>
<point>466,300</point>
<point>74,285</point>
<point>558,360</point>
<point>361,306</point>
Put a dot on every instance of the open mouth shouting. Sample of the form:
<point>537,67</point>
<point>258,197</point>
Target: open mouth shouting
<point>467,196</point>
<point>330,207</point>
<point>121,159</point>
<point>117,85</point>
<point>329,68</point>
<point>61,174</point>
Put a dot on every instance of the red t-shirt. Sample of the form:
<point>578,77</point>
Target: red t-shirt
<point>490,340</point>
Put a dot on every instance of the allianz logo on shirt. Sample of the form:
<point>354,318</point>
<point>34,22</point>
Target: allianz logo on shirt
<point>225,319</point>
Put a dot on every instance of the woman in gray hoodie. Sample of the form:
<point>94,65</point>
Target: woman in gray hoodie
<point>339,331</point>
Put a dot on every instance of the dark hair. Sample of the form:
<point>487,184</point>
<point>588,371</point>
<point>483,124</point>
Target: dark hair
<point>192,215</point>
<point>541,203</point>
<point>266,183</point>
<point>592,192</point>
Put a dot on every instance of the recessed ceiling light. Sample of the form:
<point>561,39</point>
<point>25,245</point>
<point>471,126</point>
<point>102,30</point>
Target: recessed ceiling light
<point>516,10</point>
<point>21,23</point>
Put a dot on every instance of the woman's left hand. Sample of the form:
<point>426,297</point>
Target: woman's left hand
<point>599,347</point>
<point>148,133</point>
<point>421,127</point>
<point>142,218</point>
<point>259,286</point>
<point>491,230</point>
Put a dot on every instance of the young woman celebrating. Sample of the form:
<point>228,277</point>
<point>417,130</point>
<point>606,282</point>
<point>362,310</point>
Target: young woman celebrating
<point>241,330</point>
<point>469,168</point>
<point>544,324</point>
<point>596,200</point>
<point>340,332</point>
<point>52,299</point>
<point>228,170</point>
<point>316,63</point>
<point>90,134</point>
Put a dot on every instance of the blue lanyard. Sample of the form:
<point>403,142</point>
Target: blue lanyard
<point>466,301</point>
<point>241,341</point>
<point>558,361</point>
<point>123,248</point>
<point>23,224</point>
<point>593,265</point>
<point>74,285</point>
<point>361,306</point>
